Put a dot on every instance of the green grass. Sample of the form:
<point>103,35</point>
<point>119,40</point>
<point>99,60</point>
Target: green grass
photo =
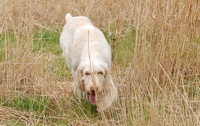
<point>43,40</point>
<point>31,103</point>
<point>10,39</point>
<point>46,40</point>
<point>197,39</point>
<point>39,105</point>
<point>88,109</point>
<point>122,46</point>
<point>44,107</point>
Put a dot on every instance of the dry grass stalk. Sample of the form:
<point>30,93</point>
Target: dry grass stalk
<point>162,90</point>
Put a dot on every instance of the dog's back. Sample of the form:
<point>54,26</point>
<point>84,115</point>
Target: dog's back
<point>74,40</point>
<point>67,35</point>
<point>74,23</point>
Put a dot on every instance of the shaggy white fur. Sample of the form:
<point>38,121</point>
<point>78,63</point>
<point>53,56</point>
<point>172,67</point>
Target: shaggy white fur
<point>88,56</point>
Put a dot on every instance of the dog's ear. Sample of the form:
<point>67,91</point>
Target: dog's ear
<point>79,75</point>
<point>109,85</point>
<point>110,92</point>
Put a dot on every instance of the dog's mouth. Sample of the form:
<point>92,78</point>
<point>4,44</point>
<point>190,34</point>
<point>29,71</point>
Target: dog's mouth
<point>91,97</point>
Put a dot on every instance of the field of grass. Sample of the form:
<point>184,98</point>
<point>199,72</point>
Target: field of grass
<point>155,53</point>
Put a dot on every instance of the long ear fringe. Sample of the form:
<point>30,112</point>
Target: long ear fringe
<point>79,75</point>
<point>110,95</point>
<point>111,87</point>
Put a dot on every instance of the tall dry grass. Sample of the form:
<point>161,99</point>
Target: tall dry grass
<point>157,43</point>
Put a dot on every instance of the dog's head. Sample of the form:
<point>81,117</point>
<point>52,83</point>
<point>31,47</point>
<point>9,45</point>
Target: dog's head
<point>93,79</point>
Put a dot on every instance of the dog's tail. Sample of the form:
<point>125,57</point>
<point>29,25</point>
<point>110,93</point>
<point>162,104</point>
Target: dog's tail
<point>68,16</point>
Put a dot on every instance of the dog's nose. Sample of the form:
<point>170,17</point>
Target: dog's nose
<point>92,88</point>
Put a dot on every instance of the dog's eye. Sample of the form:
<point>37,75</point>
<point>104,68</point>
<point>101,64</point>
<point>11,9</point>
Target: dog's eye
<point>100,73</point>
<point>87,73</point>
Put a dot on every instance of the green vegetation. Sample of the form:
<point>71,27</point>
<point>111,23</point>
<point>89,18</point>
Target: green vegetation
<point>37,104</point>
<point>47,40</point>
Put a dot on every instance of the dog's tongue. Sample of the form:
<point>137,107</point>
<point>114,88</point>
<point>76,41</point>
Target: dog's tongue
<point>92,99</point>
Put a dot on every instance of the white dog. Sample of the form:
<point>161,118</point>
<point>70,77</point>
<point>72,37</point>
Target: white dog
<point>88,56</point>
